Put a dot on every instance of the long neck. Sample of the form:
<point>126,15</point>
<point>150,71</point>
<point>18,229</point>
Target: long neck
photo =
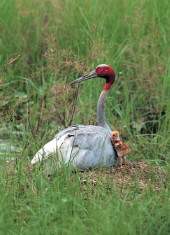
<point>101,119</point>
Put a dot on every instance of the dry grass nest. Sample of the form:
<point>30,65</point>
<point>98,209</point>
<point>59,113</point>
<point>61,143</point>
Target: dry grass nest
<point>137,175</point>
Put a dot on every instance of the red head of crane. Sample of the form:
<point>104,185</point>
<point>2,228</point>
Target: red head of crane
<point>103,71</point>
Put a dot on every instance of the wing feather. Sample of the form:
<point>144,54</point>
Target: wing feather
<point>80,146</point>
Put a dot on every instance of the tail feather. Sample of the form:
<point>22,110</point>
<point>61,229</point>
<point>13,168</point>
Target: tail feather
<point>45,151</point>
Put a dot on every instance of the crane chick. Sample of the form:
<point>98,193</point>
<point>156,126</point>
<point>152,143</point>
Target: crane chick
<point>121,148</point>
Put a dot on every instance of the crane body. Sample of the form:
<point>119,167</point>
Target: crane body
<point>80,146</point>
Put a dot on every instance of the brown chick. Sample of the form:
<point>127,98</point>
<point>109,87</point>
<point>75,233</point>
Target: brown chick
<point>121,148</point>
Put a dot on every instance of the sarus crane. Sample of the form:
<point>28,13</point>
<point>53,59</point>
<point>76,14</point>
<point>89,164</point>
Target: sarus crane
<point>121,148</point>
<point>83,146</point>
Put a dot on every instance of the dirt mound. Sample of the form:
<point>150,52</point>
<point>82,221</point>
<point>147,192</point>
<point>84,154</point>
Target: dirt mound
<point>137,175</point>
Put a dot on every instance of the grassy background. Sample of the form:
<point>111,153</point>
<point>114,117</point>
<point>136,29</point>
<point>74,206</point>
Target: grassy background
<point>45,45</point>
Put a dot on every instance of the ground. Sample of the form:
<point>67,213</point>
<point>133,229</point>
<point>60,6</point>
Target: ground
<point>129,176</point>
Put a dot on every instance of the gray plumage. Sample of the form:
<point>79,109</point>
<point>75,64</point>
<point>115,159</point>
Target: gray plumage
<point>81,146</point>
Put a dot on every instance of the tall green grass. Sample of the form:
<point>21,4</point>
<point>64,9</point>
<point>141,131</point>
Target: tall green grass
<point>59,41</point>
<point>67,204</point>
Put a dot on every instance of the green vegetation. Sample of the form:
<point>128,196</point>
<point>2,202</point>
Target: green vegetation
<point>45,45</point>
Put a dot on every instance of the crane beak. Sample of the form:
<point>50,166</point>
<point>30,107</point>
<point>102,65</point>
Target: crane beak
<point>92,74</point>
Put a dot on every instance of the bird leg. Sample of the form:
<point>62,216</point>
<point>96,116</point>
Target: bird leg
<point>122,161</point>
